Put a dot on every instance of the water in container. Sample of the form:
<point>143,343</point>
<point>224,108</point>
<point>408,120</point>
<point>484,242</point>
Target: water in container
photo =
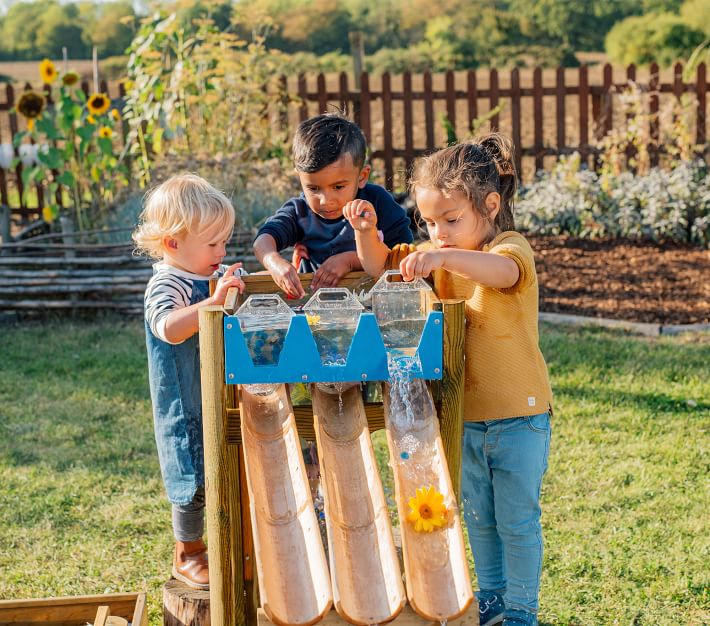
<point>400,308</point>
<point>333,314</point>
<point>264,320</point>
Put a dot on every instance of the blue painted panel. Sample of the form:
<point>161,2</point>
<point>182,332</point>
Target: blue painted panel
<point>299,360</point>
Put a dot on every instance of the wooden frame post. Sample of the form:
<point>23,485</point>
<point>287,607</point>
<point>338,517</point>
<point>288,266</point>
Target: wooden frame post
<point>452,387</point>
<point>222,489</point>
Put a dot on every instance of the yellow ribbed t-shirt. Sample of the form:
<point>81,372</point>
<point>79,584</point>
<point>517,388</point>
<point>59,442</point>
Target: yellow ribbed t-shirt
<point>506,374</point>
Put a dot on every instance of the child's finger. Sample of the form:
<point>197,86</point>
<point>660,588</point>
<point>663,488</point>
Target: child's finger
<point>232,268</point>
<point>294,286</point>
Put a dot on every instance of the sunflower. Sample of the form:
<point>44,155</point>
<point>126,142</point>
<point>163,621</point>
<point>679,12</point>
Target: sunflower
<point>91,119</point>
<point>312,319</point>
<point>31,104</point>
<point>98,103</point>
<point>427,510</point>
<point>70,78</point>
<point>115,115</point>
<point>47,71</point>
<point>105,132</point>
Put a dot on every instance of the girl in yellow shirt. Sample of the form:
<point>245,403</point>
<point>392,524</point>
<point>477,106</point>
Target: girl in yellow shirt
<point>464,194</point>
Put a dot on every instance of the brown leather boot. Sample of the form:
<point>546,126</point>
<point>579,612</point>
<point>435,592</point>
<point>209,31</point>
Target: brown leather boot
<point>190,564</point>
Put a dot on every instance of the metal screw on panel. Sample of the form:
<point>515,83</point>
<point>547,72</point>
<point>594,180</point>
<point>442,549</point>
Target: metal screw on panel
<point>231,376</point>
<point>364,376</point>
<point>437,321</point>
<point>304,377</point>
<point>436,370</point>
<point>229,327</point>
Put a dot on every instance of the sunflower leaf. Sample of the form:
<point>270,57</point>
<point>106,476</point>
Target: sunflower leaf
<point>105,145</point>
<point>52,157</point>
<point>46,125</point>
<point>85,132</point>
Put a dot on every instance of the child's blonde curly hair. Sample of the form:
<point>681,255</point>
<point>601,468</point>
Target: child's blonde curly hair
<point>183,204</point>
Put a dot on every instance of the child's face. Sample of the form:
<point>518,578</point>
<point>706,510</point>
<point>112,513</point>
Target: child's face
<point>328,190</point>
<point>453,222</point>
<point>198,253</point>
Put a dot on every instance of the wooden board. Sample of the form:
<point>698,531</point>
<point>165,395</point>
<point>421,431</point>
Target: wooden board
<point>406,618</point>
<point>71,610</point>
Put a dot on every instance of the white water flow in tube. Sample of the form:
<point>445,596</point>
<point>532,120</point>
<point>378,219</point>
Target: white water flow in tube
<point>260,389</point>
<point>416,456</point>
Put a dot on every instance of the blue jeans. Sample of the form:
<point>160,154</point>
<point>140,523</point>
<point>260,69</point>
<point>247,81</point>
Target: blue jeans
<point>503,465</point>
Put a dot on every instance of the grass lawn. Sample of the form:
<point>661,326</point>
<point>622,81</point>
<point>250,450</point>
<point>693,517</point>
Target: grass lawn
<point>625,502</point>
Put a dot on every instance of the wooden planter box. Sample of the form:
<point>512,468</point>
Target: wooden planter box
<point>75,610</point>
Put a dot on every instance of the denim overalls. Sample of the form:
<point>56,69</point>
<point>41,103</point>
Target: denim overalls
<point>174,372</point>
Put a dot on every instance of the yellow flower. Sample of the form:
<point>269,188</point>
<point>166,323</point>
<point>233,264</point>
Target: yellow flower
<point>47,71</point>
<point>70,78</point>
<point>427,510</point>
<point>30,124</point>
<point>98,103</point>
<point>312,319</point>
<point>48,214</point>
<point>115,114</point>
<point>105,132</point>
<point>91,119</point>
<point>31,104</point>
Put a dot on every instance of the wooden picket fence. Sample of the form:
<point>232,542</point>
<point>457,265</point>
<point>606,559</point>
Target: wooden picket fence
<point>547,113</point>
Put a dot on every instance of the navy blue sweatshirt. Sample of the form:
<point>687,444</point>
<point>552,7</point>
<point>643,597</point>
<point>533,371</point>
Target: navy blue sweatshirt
<point>295,222</point>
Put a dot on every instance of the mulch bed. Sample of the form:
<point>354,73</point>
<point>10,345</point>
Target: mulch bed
<point>622,279</point>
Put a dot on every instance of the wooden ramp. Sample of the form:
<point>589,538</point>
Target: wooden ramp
<point>293,575</point>
<point>438,583</point>
<point>365,572</point>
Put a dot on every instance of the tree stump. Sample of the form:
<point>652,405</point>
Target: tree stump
<point>183,605</point>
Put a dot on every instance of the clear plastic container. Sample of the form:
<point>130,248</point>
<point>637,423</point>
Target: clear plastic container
<point>401,310</point>
<point>333,314</point>
<point>264,320</point>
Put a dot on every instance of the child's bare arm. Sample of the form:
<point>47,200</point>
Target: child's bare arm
<point>283,273</point>
<point>183,323</point>
<point>484,268</point>
<point>370,250</point>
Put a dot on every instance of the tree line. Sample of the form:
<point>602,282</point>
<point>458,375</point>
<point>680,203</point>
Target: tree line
<point>397,34</point>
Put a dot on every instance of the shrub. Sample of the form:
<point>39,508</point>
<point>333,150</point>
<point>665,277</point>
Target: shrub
<point>662,204</point>
<point>309,62</point>
<point>660,37</point>
<point>398,60</point>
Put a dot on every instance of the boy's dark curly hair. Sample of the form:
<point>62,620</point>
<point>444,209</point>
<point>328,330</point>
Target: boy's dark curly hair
<point>322,140</point>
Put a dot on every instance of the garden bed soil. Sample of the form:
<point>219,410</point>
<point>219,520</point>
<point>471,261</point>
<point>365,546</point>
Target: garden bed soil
<point>662,283</point>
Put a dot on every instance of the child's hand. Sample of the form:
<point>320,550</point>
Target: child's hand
<point>420,264</point>
<point>333,269</point>
<point>284,275</point>
<point>361,215</point>
<point>226,282</point>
